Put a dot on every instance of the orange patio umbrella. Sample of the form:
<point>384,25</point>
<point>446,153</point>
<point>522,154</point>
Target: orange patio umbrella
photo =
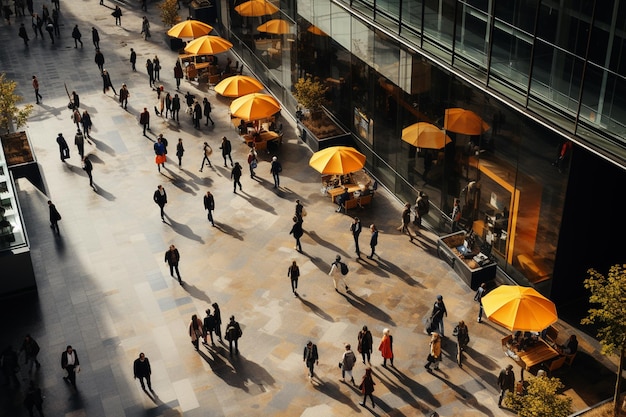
<point>425,135</point>
<point>256,8</point>
<point>519,308</point>
<point>464,121</point>
<point>275,26</point>
<point>189,29</point>
<point>237,86</point>
<point>337,160</point>
<point>254,106</point>
<point>208,45</point>
<point>316,31</point>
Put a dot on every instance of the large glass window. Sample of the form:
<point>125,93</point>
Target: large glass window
<point>517,13</point>
<point>510,56</point>
<point>439,22</point>
<point>472,38</point>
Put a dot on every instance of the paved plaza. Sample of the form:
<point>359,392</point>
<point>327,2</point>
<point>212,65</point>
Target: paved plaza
<point>104,288</point>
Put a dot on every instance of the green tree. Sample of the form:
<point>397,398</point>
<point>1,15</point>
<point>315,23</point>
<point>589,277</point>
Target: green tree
<point>311,94</point>
<point>169,12</point>
<point>541,399</point>
<point>10,114</point>
<point>609,295</point>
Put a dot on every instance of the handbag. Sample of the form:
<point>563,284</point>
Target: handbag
<point>253,164</point>
<point>340,364</point>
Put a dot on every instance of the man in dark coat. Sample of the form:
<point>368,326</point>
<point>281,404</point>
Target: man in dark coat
<point>275,169</point>
<point>197,115</point>
<point>99,59</point>
<point>160,198</point>
<point>172,257</point>
<point>69,362</point>
<point>144,120</point>
<point>133,59</point>
<point>226,148</point>
<point>95,37</point>
<point>235,174</point>
<point>175,107</point>
<point>22,34</point>
<point>54,225</point>
<point>373,240</point>
<point>207,112</point>
<point>141,370</point>
<point>233,333</point>
<point>506,382</point>
<point>355,228</point>
<point>209,205</point>
<point>64,150</point>
<point>208,326</point>
<point>310,357</point>
<point>365,344</point>
<point>106,82</point>
<point>76,35</point>
<point>88,167</point>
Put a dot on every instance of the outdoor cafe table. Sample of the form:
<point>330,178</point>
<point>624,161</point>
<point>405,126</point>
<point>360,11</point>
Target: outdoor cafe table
<point>535,355</point>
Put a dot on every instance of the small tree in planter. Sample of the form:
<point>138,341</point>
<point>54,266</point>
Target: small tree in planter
<point>169,12</point>
<point>311,94</point>
<point>541,399</point>
<point>10,114</point>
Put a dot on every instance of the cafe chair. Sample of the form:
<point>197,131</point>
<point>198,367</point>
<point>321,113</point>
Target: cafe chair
<point>551,336</point>
<point>569,359</point>
<point>506,342</point>
<point>555,364</point>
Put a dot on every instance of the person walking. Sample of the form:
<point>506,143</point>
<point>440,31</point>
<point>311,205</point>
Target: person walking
<point>208,326</point>
<point>367,387</point>
<point>75,100</point>
<point>31,349</point>
<point>207,112</point>
<point>365,344</point>
<point>117,14</point>
<point>106,82</point>
<point>172,257</point>
<point>37,23</point>
<point>175,107</point>
<point>124,94</point>
<point>99,59</point>
<point>197,115</point>
<point>478,297</point>
<point>64,150</point>
<point>406,220</point>
<point>54,217</point>
<point>348,359</point>
<point>33,399</point>
<point>206,152</point>
<point>195,331</point>
<point>150,71</point>
<point>235,174</point>
<point>157,68</point>
<point>293,272</point>
<point>55,22</point>
<point>180,150</point>
<point>160,198</point>
<point>50,29</point>
<point>436,317</point>
<point>77,35</point>
<point>226,148</point>
<point>88,168</point>
<point>233,333</point>
<point>434,355</point>
<point>338,270</point>
<point>142,370</point>
<point>133,60</point>
<point>217,315</point>
<point>422,207</point>
<point>456,215</point>
<point>85,121</point>
<point>36,88</point>
<point>23,34</point>
<point>76,118</point>
<point>168,103</point>
<point>297,232</point>
<point>145,28</point>
<point>355,228</point>
<point>462,338</point>
<point>160,100</point>
<point>95,37</point>
<point>506,382</point>
<point>300,212</point>
<point>178,74</point>
<point>310,357</point>
<point>209,206</point>
<point>275,169</point>
<point>144,120</point>
<point>386,348</point>
<point>373,240</point>
<point>252,161</point>
<point>79,141</point>
<point>144,5</point>
<point>71,364</point>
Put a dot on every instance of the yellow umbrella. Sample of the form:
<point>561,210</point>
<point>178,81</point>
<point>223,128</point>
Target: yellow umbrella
<point>425,136</point>
<point>464,121</point>
<point>276,26</point>
<point>254,106</point>
<point>316,31</point>
<point>208,45</point>
<point>337,160</point>
<point>256,8</point>
<point>519,308</point>
<point>189,29</point>
<point>237,86</point>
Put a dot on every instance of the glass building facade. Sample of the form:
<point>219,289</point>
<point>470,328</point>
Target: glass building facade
<point>545,78</point>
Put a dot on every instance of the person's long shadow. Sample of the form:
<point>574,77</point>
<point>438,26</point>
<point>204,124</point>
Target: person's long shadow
<point>104,193</point>
<point>258,203</point>
<point>162,409</point>
<point>59,244</point>
<point>101,146</point>
<point>317,239</point>
<point>371,268</point>
<point>221,368</point>
<point>368,308</point>
<point>224,228</point>
<point>177,181</point>
<point>315,309</point>
<point>285,193</point>
<point>417,390</point>
<point>197,293</point>
<point>253,372</point>
<point>466,397</point>
<point>320,264</point>
<point>183,230</point>
<point>398,272</point>
<point>331,389</point>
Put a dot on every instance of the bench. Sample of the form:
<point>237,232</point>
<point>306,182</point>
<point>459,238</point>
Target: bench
<point>357,202</point>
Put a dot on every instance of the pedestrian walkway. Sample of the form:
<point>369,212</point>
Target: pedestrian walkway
<point>104,288</point>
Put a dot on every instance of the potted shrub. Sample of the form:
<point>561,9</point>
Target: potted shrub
<point>169,17</point>
<point>16,145</point>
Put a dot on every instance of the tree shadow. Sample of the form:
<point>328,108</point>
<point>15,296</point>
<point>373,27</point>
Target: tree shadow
<point>224,228</point>
<point>197,293</point>
<point>417,390</point>
<point>316,310</point>
<point>331,389</point>
<point>317,239</point>
<point>370,309</point>
<point>183,230</point>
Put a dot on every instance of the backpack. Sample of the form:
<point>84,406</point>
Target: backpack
<point>344,268</point>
